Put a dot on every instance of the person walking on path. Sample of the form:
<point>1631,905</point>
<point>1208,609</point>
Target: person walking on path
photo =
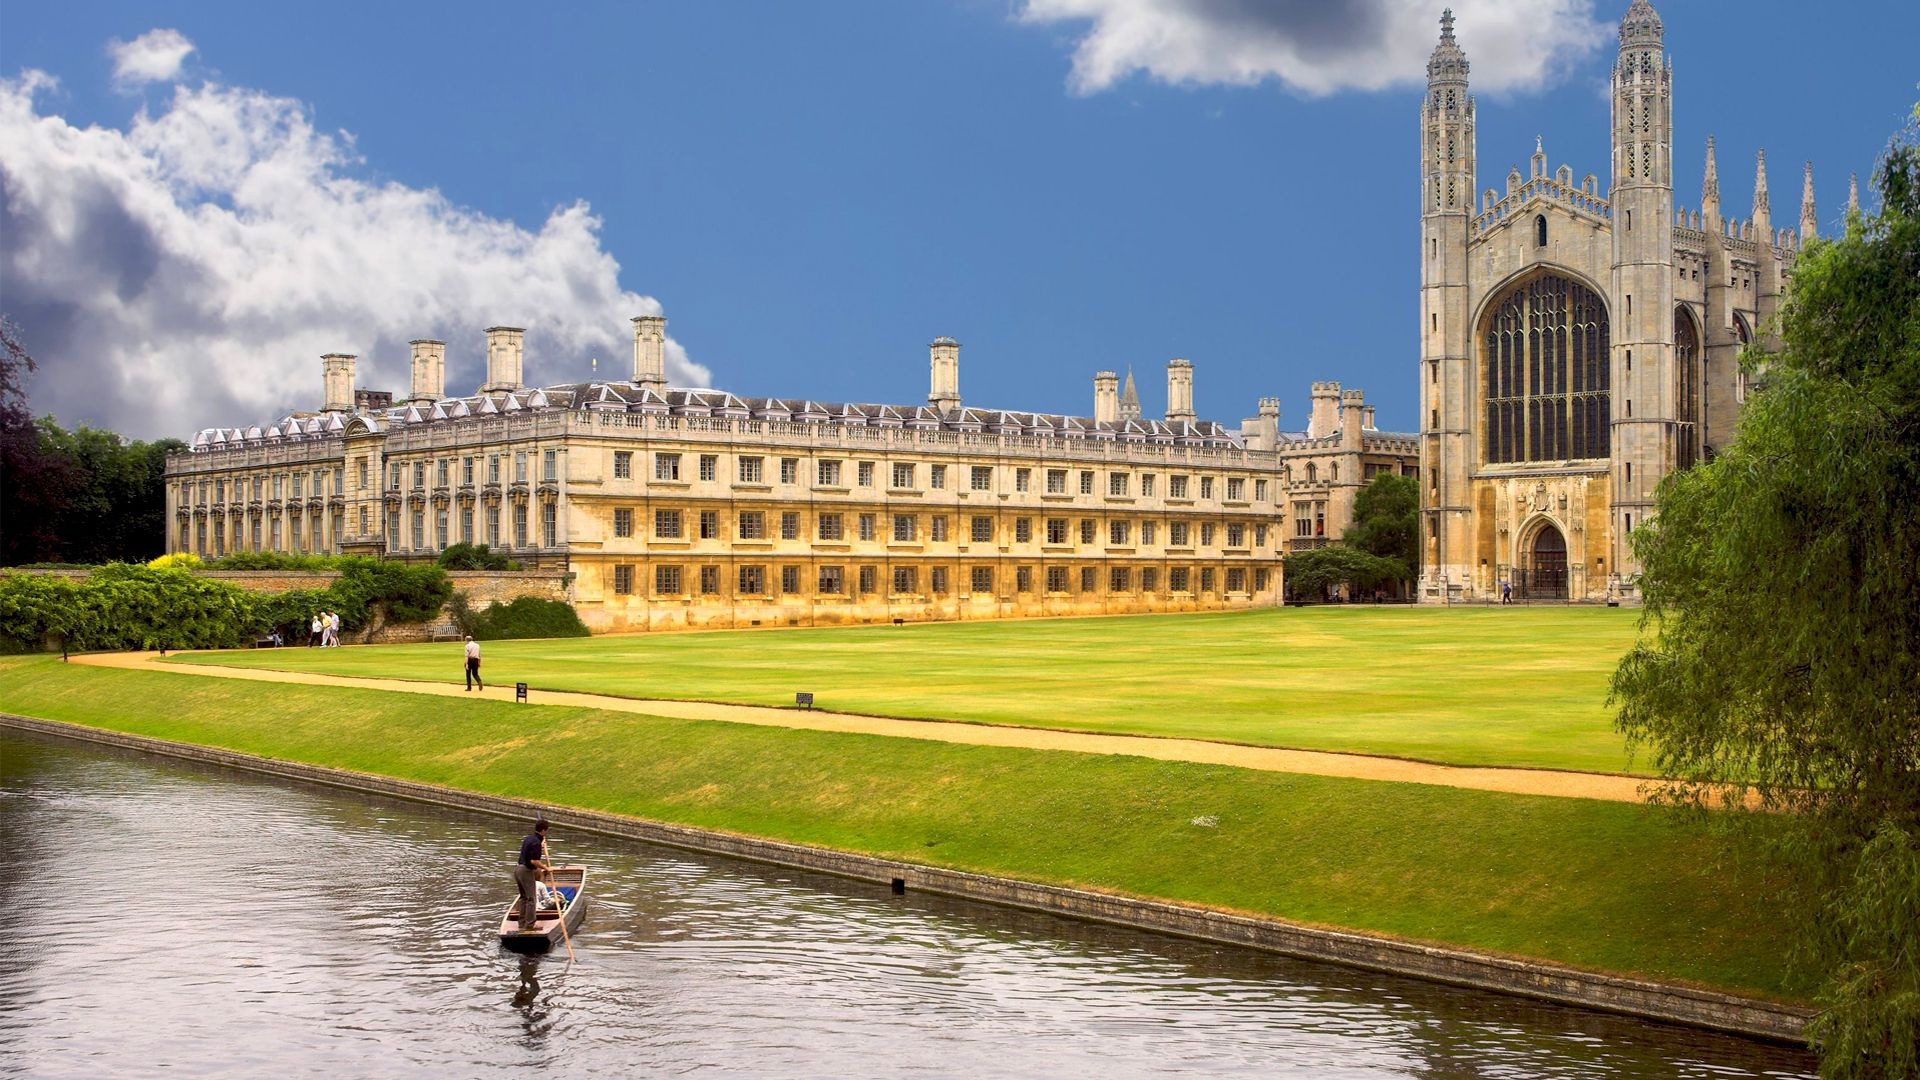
<point>473,664</point>
<point>333,629</point>
<point>527,871</point>
<point>317,632</point>
<point>1506,592</point>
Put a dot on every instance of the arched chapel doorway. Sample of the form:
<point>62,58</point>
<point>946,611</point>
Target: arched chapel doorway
<point>1543,573</point>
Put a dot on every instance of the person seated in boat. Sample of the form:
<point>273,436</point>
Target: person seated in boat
<point>526,872</point>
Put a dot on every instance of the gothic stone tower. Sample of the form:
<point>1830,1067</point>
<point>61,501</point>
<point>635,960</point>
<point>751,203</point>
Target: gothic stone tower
<point>1576,346</point>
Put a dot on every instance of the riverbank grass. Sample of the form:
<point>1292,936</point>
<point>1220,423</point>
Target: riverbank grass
<point>1481,686</point>
<point>1606,886</point>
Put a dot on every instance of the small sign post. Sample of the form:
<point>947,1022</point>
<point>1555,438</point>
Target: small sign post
<point>803,699</point>
<point>520,691</point>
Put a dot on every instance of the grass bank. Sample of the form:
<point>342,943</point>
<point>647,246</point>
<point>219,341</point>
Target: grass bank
<point>1483,686</point>
<point>1605,886</point>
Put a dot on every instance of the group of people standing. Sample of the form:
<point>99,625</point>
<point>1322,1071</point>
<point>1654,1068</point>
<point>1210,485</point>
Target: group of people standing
<point>326,630</point>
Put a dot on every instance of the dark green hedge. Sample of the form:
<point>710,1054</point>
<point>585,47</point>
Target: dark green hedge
<point>526,617</point>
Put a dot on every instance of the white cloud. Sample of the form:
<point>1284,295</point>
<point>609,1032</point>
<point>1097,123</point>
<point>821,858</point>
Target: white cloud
<point>189,270</point>
<point>154,56</point>
<point>1317,46</point>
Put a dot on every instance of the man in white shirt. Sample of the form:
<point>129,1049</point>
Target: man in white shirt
<point>317,633</point>
<point>473,664</point>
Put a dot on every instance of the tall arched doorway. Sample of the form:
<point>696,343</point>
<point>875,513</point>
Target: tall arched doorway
<point>1544,573</point>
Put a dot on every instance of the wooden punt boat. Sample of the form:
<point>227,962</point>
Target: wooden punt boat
<point>572,883</point>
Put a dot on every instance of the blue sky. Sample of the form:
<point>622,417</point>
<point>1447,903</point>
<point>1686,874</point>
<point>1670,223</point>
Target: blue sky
<point>811,192</point>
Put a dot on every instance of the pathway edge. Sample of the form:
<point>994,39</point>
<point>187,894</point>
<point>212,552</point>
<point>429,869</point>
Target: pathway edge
<point>1643,998</point>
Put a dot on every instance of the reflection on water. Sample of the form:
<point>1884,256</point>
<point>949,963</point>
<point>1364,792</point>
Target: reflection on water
<point>170,918</point>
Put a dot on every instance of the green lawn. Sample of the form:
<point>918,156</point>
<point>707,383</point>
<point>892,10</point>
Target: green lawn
<point>1609,886</point>
<point>1484,686</point>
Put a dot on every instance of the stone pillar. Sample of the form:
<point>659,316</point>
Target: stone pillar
<point>505,346</point>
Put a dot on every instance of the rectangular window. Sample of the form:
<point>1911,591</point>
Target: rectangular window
<point>789,525</point>
<point>904,581</point>
<point>466,469</point>
<point>549,466</point>
<point>1147,530</point>
<point>982,478</point>
<point>1206,487</point>
<point>1236,488</point>
<point>1259,536</point>
<point>1117,533</point>
<point>1086,530</point>
<point>1023,479</point>
<point>274,538</point>
<point>623,521</point>
<point>937,477</point>
<point>1206,534</point>
<point>1056,530</point>
<point>1176,487</point>
<point>709,466</point>
<point>493,526</point>
<point>1177,578</point>
<point>1023,579</point>
<point>466,525</point>
<point>1146,485</point>
<point>667,524</point>
<point>441,472</point>
<point>709,581</point>
<point>832,527</point>
<point>829,472</point>
<point>1236,535</point>
<point>1116,483</point>
<point>623,579</point>
<point>493,469</point>
<point>666,581</point>
<point>902,476</point>
<point>1148,579</point>
<point>419,529</point>
<point>1023,530</point>
<point>789,470</point>
<point>869,579</point>
<point>981,529</point>
<point>983,580</point>
<point>297,480</point>
<point>1056,481</point>
<point>789,579</point>
<point>1260,580</point>
<point>1119,580</point>
<point>419,477</point>
<point>937,580</point>
<point>550,523</point>
<point>866,479</point>
<point>1086,481</point>
<point>666,466</point>
<point>1236,579</point>
<point>440,529</point>
<point>753,581</point>
<point>1259,491</point>
<point>622,466</point>
<point>709,525</point>
<point>753,525</point>
<point>750,471</point>
<point>520,468</point>
<point>938,528</point>
<point>1177,533</point>
<point>833,580</point>
<point>903,528</point>
<point>1206,579</point>
<point>359,476</point>
<point>866,530</point>
<point>1056,579</point>
<point>1089,581</point>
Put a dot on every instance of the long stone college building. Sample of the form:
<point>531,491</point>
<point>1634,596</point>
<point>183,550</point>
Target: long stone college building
<point>1576,345</point>
<point>689,507</point>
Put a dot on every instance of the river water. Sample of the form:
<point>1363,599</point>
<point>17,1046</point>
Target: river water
<point>174,920</point>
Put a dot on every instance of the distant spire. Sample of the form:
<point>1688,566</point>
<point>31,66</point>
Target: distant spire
<point>1129,399</point>
<point>1640,26</point>
<point>1448,63</point>
<point>1853,193</point>
<point>1710,187</point>
<point>1809,220</point>
<point>1762,209</point>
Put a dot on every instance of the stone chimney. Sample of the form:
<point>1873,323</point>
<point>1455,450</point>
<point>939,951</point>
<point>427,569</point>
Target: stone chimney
<point>1353,411</point>
<point>1179,392</point>
<point>336,382</point>
<point>1263,431</point>
<point>943,362</point>
<point>1106,397</point>
<point>505,349</point>
<point>650,352</point>
<point>1366,418</point>
<point>1326,410</point>
<point>429,371</point>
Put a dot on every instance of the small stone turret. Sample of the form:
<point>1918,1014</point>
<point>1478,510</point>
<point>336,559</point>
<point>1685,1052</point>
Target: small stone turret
<point>1179,392</point>
<point>650,352</point>
<point>336,382</point>
<point>1106,397</point>
<point>505,355</point>
<point>1353,417</point>
<point>1325,416</point>
<point>429,371</point>
<point>943,357</point>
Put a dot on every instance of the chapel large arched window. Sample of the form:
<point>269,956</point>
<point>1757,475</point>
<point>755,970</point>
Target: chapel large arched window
<point>1686,361</point>
<point>1545,355</point>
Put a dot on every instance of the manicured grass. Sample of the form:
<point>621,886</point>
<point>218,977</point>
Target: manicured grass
<point>1500,686</point>
<point>1610,886</point>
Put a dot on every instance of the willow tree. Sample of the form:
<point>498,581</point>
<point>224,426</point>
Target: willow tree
<point>1782,586</point>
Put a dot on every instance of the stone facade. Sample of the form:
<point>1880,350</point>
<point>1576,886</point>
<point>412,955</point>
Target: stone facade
<point>679,508</point>
<point>1576,346</point>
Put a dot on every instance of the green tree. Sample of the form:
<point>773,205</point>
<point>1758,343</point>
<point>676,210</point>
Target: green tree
<point>1783,580</point>
<point>1309,574</point>
<point>1386,521</point>
<point>474,557</point>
